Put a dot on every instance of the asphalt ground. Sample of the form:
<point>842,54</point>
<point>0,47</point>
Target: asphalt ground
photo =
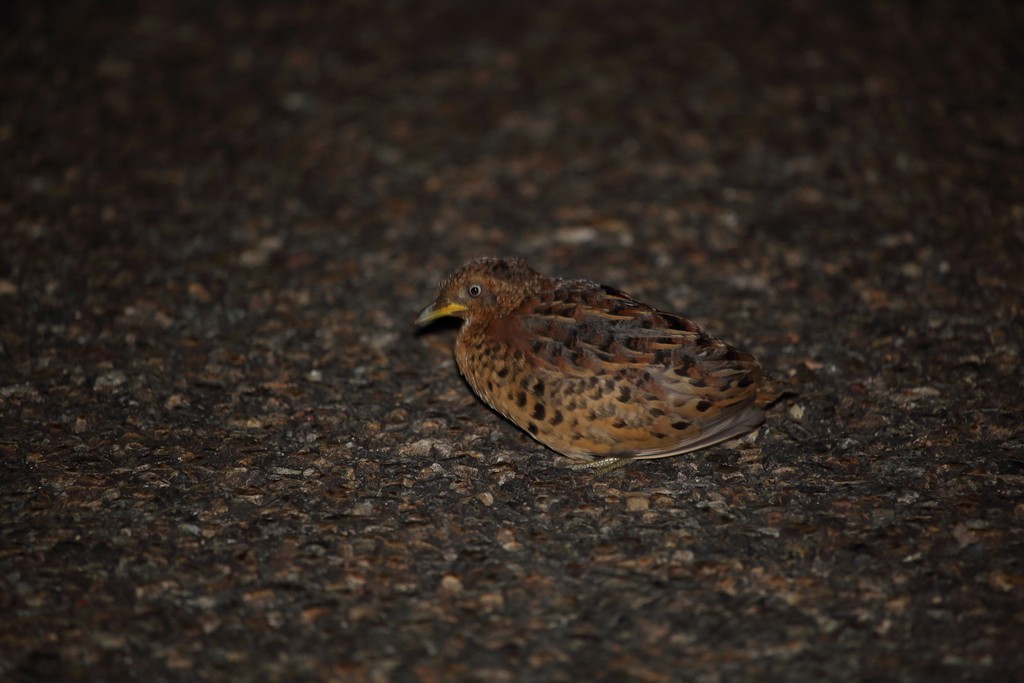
<point>228,455</point>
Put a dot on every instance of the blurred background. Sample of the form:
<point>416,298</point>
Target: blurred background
<point>228,455</point>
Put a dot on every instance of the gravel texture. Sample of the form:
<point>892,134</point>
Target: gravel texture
<point>227,454</point>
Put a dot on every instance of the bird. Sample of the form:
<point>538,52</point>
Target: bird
<point>592,373</point>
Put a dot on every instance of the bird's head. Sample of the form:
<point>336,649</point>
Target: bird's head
<point>483,289</point>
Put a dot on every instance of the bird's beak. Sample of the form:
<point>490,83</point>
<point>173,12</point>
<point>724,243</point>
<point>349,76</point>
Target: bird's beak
<point>435,311</point>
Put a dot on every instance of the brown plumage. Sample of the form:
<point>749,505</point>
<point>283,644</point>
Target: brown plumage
<point>592,373</point>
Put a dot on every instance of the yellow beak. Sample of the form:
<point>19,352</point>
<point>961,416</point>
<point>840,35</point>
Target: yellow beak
<point>433,312</point>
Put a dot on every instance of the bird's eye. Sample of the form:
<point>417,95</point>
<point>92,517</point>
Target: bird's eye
<point>475,290</point>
